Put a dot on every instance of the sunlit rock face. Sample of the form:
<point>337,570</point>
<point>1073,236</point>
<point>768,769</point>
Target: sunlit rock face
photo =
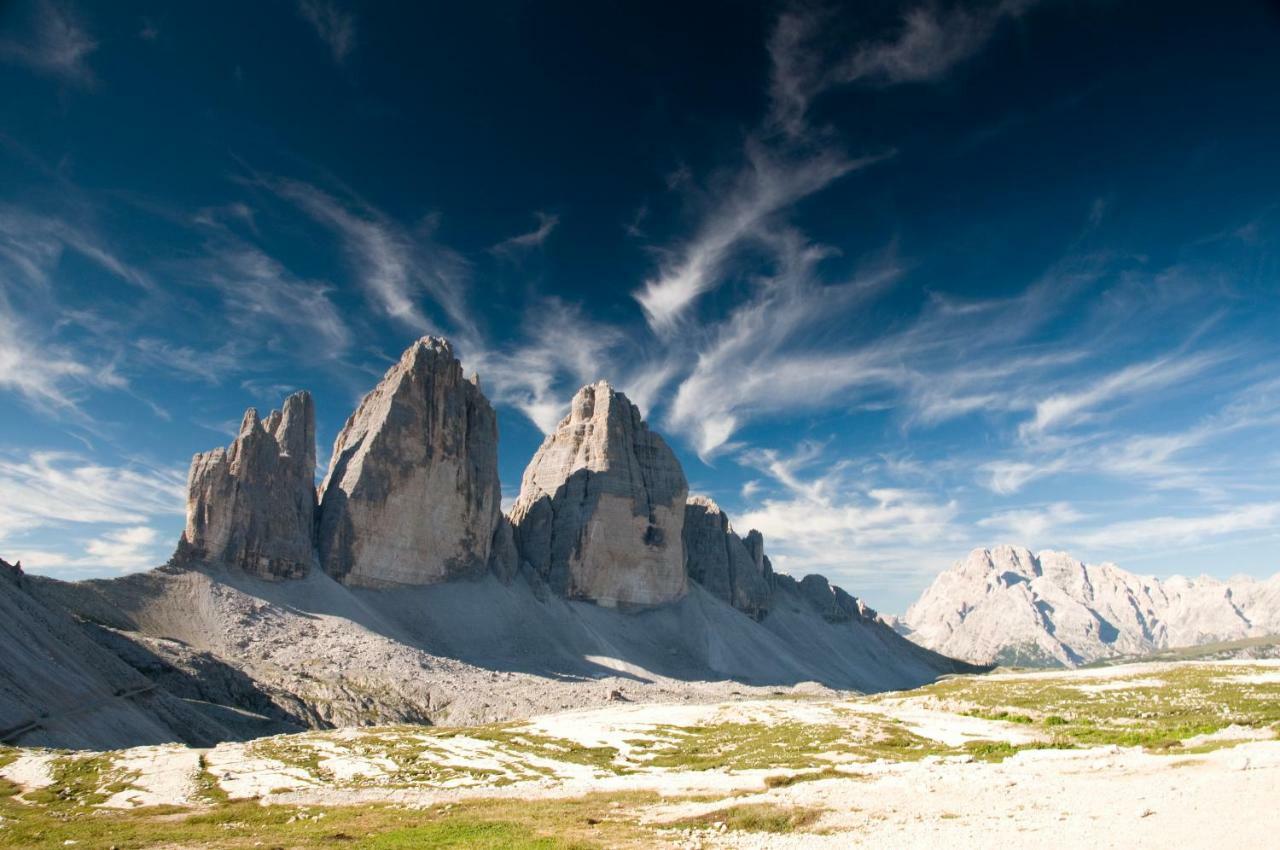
<point>252,504</point>
<point>1008,605</point>
<point>412,494</point>
<point>718,559</point>
<point>602,505</point>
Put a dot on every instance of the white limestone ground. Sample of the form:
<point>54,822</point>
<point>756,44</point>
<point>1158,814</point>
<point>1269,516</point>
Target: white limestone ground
<point>1102,798</point>
<point>1219,788</point>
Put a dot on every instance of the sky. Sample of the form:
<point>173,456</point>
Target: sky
<point>895,280</point>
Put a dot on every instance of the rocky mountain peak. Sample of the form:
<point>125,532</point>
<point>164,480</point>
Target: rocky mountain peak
<point>251,505</point>
<point>412,493</point>
<point>1008,605</point>
<point>730,568</point>
<point>601,506</point>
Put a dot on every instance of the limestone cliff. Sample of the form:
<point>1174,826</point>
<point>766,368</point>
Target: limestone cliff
<point>719,560</point>
<point>412,493</point>
<point>601,509</point>
<point>252,504</point>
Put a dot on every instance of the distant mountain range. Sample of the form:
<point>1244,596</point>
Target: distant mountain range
<point>1009,606</point>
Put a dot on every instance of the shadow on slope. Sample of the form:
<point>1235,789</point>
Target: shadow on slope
<point>316,651</point>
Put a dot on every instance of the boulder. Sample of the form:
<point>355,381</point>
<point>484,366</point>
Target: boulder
<point>601,509</point>
<point>412,494</point>
<point>724,564</point>
<point>252,504</point>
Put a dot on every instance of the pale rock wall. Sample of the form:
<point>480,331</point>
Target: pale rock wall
<point>252,504</point>
<point>601,506</point>
<point>412,494</point>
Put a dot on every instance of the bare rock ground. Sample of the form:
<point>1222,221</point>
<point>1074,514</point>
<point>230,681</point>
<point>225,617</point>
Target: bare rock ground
<point>1025,759</point>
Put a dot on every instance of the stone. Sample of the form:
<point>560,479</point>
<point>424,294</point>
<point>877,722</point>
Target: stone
<point>412,495</point>
<point>252,504</point>
<point>728,567</point>
<point>601,508</point>
<point>1011,606</point>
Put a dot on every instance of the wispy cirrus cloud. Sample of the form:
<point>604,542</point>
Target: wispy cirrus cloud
<point>32,245</point>
<point>335,26</point>
<point>833,517</point>
<point>44,488</point>
<point>267,303</point>
<point>767,185</point>
<point>51,39</point>
<point>547,222</point>
<point>394,265</point>
<point>49,377</point>
<point>1185,529</point>
<point>1065,409</point>
<point>929,41</point>
<point>559,349</point>
<point>768,356</point>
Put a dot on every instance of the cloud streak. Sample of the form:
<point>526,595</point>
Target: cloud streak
<point>55,42</point>
<point>335,26</point>
<point>927,43</point>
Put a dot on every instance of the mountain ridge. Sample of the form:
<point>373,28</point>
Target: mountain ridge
<point>1008,605</point>
<point>402,594</point>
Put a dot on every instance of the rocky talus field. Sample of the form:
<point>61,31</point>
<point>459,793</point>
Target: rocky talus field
<point>1162,754</point>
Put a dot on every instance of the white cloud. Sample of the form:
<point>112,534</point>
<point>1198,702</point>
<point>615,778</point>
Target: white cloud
<point>766,358</point>
<point>827,519</point>
<point>1182,530</point>
<point>928,42</point>
<point>47,376</point>
<point>55,42</point>
<point>393,265</point>
<point>32,245</point>
<point>561,350</point>
<point>1032,527</point>
<point>335,26</point>
<point>56,488</point>
<point>124,550</point>
<point>1067,409</point>
<point>261,297</point>
<point>766,186</point>
<point>547,222</point>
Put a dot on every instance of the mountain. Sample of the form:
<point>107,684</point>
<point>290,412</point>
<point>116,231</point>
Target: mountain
<point>1008,606</point>
<point>63,684</point>
<point>400,592</point>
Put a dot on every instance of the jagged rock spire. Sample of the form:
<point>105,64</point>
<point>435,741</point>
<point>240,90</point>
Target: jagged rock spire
<point>252,504</point>
<point>412,494</point>
<point>601,507</point>
<point>722,562</point>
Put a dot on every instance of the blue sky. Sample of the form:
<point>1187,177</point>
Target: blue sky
<point>896,280</point>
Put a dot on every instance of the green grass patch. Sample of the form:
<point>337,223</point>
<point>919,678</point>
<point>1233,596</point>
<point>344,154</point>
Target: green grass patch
<point>593,821</point>
<point>786,780</point>
<point>753,817</point>
<point>1189,700</point>
<point>475,835</point>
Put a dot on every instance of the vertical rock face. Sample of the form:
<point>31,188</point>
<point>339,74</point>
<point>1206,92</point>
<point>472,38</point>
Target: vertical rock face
<point>718,559</point>
<point>412,493</point>
<point>602,505</point>
<point>252,504</point>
